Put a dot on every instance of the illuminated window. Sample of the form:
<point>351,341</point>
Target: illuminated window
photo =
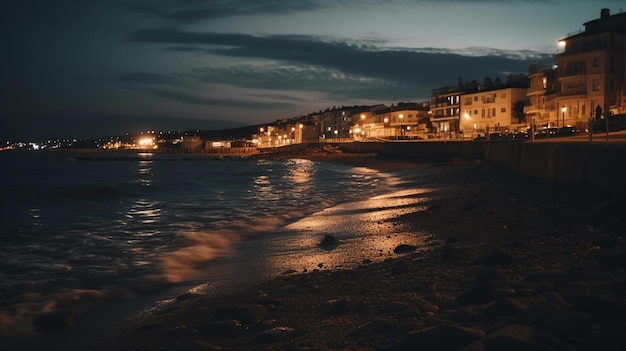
<point>596,85</point>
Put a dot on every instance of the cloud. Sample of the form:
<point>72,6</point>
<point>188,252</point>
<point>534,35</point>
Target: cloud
<point>185,11</point>
<point>187,98</point>
<point>310,61</point>
<point>194,10</point>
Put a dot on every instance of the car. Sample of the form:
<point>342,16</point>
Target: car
<point>566,131</point>
<point>546,133</point>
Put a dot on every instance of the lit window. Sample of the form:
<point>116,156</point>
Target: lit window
<point>596,85</point>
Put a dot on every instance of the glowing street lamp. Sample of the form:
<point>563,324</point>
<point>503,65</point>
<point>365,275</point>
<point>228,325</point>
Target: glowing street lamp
<point>401,125</point>
<point>563,109</point>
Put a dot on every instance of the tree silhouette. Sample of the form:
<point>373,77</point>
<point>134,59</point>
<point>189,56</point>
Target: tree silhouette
<point>518,111</point>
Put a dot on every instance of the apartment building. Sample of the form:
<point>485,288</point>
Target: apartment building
<point>445,106</point>
<point>491,110</point>
<point>543,88</point>
<point>406,120</point>
<point>591,72</point>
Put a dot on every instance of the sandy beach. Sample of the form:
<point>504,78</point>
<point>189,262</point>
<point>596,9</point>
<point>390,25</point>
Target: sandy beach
<point>510,263</point>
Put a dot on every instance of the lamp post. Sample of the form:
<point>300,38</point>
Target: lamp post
<point>401,125</point>
<point>563,109</point>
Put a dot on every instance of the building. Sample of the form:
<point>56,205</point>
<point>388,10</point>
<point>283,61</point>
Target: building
<point>540,108</point>
<point>591,71</point>
<point>493,110</point>
<point>445,106</point>
<point>403,121</point>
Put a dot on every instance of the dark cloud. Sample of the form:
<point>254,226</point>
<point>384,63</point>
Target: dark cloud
<point>197,100</point>
<point>401,68</point>
<point>185,11</point>
<point>297,78</point>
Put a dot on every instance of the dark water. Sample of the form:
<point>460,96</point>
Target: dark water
<point>75,231</point>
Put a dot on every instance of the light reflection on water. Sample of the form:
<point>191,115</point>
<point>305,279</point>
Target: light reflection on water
<point>365,230</point>
<point>118,225</point>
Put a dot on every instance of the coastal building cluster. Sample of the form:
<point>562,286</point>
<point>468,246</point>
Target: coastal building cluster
<point>586,84</point>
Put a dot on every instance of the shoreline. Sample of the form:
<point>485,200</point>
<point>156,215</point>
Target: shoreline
<point>501,246</point>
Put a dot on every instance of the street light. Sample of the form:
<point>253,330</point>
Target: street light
<point>563,109</point>
<point>401,125</point>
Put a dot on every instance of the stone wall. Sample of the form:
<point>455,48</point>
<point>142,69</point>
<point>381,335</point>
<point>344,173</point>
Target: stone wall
<point>572,163</point>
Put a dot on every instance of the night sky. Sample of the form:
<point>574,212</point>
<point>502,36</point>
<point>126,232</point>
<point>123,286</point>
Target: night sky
<point>76,68</point>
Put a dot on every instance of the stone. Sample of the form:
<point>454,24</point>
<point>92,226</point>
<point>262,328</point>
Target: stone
<point>404,248</point>
<point>480,294</point>
<point>510,306</point>
<point>566,323</point>
<point>56,321</point>
<point>329,242</point>
<point>339,306</point>
<point>442,337</point>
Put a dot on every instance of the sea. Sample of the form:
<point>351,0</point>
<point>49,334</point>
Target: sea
<point>80,230</point>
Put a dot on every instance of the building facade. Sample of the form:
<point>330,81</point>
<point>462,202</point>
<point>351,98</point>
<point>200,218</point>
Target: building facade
<point>591,71</point>
<point>543,87</point>
<point>491,110</point>
<point>445,107</point>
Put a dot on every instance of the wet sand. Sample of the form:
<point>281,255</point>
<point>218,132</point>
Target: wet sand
<point>509,262</point>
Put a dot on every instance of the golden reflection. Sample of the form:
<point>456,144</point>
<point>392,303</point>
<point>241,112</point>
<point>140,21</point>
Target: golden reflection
<point>185,264</point>
<point>145,172</point>
<point>365,229</point>
<point>300,170</point>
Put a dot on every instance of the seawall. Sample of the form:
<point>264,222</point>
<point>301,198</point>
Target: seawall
<point>573,163</point>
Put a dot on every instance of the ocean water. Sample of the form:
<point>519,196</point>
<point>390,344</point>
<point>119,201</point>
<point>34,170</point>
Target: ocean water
<point>76,229</point>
